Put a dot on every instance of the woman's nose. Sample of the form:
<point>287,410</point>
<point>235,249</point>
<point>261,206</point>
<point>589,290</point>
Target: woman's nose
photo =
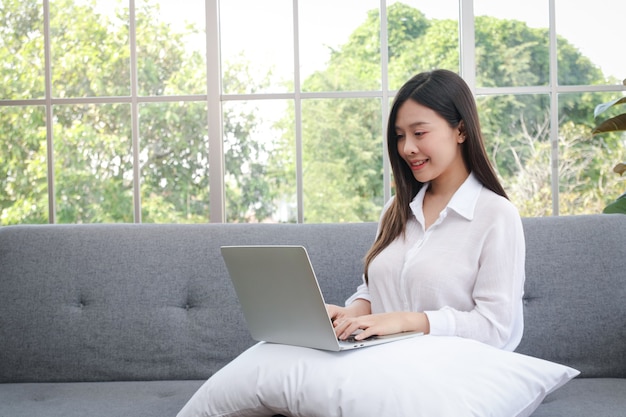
<point>410,146</point>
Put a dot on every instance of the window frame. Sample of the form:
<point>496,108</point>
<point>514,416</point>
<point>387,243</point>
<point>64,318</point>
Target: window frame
<point>215,98</point>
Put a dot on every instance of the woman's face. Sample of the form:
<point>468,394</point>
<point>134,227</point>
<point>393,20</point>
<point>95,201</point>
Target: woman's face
<point>428,144</point>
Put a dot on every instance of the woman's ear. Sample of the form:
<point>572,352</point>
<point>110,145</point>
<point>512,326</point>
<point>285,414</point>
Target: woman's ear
<point>461,128</point>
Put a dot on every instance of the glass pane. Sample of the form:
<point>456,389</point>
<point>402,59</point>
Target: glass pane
<point>587,182</point>
<point>93,164</point>
<point>21,50</point>
<point>592,38</point>
<point>259,34</point>
<point>516,129</point>
<point>171,47</point>
<point>342,160</point>
<point>423,35</point>
<point>339,45</point>
<point>174,161</point>
<point>259,153</point>
<point>89,48</point>
<point>512,43</point>
<point>23,166</point>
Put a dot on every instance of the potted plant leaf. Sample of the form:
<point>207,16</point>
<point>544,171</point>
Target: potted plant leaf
<point>613,124</point>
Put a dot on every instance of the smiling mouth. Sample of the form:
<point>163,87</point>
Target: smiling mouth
<point>415,165</point>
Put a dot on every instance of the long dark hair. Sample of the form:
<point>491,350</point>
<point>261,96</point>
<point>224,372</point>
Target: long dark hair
<point>448,95</point>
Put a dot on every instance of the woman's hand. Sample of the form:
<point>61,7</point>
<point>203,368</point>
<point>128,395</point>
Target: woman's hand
<point>359,307</point>
<point>381,324</point>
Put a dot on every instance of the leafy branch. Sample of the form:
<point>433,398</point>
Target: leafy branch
<point>613,124</point>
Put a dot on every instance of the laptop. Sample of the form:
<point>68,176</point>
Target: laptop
<point>281,299</point>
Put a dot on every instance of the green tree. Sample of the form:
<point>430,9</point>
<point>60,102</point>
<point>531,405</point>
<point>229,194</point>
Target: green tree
<point>342,147</point>
<point>342,142</point>
<point>92,145</point>
<point>23,171</point>
<point>23,166</point>
<point>249,189</point>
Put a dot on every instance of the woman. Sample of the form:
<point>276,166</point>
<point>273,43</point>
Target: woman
<point>449,255</point>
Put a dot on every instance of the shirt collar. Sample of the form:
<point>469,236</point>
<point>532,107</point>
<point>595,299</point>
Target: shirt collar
<point>463,201</point>
<point>465,198</point>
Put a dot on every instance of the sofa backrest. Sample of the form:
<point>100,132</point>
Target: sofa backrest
<point>575,293</point>
<point>142,302</point>
<point>150,302</point>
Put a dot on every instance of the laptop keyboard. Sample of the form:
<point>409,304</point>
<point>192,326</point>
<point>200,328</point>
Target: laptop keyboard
<point>351,339</point>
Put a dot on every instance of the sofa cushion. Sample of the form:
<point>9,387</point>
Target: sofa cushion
<point>585,397</point>
<point>96,399</point>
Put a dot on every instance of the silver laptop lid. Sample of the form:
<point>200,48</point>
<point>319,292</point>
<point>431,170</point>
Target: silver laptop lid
<point>280,296</point>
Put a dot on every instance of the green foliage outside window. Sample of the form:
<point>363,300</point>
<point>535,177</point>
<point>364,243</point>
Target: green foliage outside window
<point>611,125</point>
<point>342,138</point>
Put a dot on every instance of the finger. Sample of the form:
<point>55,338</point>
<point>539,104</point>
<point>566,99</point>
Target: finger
<point>332,311</point>
<point>338,317</point>
<point>365,334</point>
<point>350,329</point>
<point>342,329</point>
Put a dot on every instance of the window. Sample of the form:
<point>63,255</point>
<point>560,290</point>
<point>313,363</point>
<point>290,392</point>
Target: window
<point>247,111</point>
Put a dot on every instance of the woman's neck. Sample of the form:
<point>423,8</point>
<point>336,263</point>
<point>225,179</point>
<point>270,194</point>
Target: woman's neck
<point>444,187</point>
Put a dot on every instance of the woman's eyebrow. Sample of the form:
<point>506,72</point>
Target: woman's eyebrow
<point>413,125</point>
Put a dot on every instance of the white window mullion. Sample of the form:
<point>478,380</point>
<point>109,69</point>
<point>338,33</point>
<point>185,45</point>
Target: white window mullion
<point>467,43</point>
<point>298,113</point>
<point>214,109</point>
<point>554,111</point>
<point>134,112</point>
<point>384,62</point>
<point>49,113</point>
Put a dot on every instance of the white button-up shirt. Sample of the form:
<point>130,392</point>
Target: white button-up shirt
<point>466,271</point>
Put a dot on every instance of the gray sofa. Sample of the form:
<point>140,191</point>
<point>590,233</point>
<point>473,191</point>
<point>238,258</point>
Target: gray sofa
<point>129,320</point>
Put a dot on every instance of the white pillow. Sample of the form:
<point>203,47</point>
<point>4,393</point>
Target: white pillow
<point>422,376</point>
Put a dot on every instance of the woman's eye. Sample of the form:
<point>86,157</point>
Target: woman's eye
<point>418,134</point>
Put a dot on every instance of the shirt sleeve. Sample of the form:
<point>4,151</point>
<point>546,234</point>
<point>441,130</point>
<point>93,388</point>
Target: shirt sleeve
<point>362,291</point>
<point>497,318</point>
